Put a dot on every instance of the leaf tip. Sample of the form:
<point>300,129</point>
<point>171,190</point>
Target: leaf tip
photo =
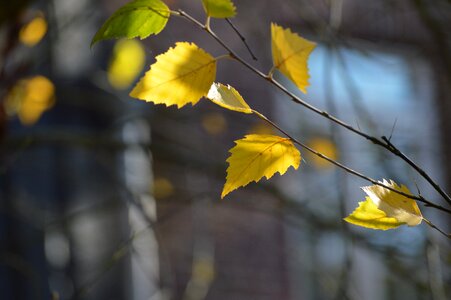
<point>226,190</point>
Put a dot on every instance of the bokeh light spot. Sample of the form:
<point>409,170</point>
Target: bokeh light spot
<point>126,63</point>
<point>30,98</point>
<point>33,32</point>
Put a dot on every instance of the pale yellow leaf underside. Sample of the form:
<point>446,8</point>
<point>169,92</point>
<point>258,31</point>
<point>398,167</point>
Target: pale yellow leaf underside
<point>180,76</point>
<point>290,54</point>
<point>258,156</point>
<point>228,97</point>
<point>368,215</point>
<point>401,208</point>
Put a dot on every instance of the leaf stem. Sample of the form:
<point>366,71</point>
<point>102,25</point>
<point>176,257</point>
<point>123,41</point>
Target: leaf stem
<point>175,13</point>
<point>207,23</point>
<point>271,73</point>
<point>223,56</point>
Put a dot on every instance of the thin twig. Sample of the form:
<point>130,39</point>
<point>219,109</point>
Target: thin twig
<point>393,129</point>
<point>400,154</point>
<point>358,174</point>
<point>325,114</point>
<point>243,39</point>
<point>349,170</point>
<point>448,235</point>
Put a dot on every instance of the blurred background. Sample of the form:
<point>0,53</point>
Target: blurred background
<point>106,197</point>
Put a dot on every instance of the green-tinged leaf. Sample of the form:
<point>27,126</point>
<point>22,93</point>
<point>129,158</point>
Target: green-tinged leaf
<point>290,54</point>
<point>257,156</point>
<point>228,97</point>
<point>219,8</point>
<point>180,76</point>
<point>369,216</point>
<point>393,204</point>
<point>139,18</point>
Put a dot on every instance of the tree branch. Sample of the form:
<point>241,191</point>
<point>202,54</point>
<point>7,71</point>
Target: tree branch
<point>349,170</point>
<point>298,100</point>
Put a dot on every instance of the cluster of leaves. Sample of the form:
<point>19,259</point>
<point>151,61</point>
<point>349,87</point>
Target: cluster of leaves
<point>186,73</point>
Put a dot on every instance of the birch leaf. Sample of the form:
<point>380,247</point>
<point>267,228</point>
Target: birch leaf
<point>228,97</point>
<point>385,209</point>
<point>369,216</point>
<point>290,54</point>
<point>393,204</point>
<point>258,156</point>
<point>219,8</point>
<point>180,76</point>
<point>139,18</point>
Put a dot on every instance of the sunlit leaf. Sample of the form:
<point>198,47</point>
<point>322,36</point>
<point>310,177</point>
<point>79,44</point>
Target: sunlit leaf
<point>368,215</point>
<point>214,123</point>
<point>256,156</point>
<point>219,8</point>
<point>393,204</point>
<point>290,54</point>
<point>388,209</point>
<point>324,146</point>
<point>180,76</point>
<point>139,18</point>
<point>127,62</point>
<point>33,32</point>
<point>228,97</point>
<point>30,98</point>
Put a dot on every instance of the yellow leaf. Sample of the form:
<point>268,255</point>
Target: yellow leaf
<point>369,216</point>
<point>29,98</point>
<point>397,206</point>
<point>256,156</point>
<point>180,76</point>
<point>127,62</point>
<point>33,32</point>
<point>290,54</point>
<point>228,97</point>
